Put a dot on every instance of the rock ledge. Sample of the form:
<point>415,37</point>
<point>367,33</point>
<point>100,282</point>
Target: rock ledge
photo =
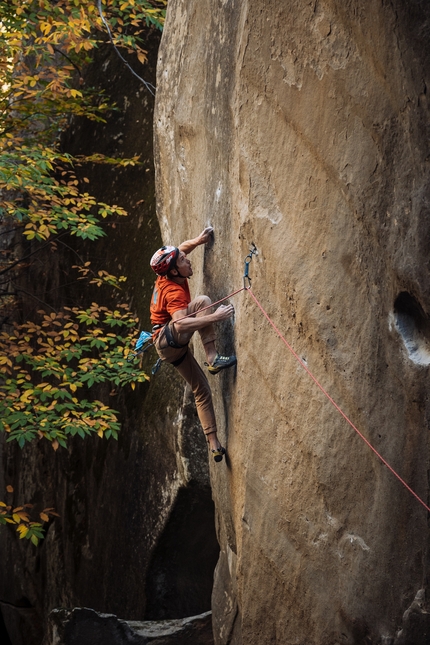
<point>83,626</point>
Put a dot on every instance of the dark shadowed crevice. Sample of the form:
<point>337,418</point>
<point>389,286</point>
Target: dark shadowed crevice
<point>4,636</point>
<point>20,623</point>
<point>180,576</point>
<point>413,326</point>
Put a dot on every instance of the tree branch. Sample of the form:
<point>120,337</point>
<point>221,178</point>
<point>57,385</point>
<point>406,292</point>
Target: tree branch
<point>14,264</point>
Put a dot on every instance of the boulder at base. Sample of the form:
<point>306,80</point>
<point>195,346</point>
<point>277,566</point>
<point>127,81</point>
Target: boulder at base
<point>83,626</point>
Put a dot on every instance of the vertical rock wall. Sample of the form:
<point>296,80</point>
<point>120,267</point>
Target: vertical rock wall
<point>303,126</point>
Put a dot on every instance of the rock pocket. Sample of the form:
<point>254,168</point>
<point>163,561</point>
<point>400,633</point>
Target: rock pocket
<point>413,325</point>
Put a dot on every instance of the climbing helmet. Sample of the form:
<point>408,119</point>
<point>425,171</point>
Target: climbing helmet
<point>164,259</point>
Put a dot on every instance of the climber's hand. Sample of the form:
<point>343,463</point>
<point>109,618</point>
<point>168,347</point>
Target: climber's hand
<point>206,235</point>
<point>224,312</point>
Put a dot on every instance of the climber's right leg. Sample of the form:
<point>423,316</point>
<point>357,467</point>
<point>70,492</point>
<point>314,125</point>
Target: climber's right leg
<point>191,371</point>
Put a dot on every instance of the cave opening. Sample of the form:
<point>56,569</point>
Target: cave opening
<point>180,575</point>
<point>413,325</point>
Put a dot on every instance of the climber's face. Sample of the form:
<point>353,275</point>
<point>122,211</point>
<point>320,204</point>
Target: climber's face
<point>183,265</point>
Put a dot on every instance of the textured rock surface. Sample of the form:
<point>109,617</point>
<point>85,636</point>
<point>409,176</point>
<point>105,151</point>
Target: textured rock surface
<point>81,626</point>
<point>303,126</point>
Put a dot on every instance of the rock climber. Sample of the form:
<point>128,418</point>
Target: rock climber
<point>171,301</point>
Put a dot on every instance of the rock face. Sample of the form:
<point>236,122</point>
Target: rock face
<point>303,127</point>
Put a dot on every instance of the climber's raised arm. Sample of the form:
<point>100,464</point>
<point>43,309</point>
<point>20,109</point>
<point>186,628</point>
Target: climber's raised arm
<point>189,245</point>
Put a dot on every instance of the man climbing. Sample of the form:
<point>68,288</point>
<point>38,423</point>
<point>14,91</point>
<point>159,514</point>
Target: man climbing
<point>171,301</point>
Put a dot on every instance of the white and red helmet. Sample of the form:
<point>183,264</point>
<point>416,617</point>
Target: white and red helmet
<point>164,259</point>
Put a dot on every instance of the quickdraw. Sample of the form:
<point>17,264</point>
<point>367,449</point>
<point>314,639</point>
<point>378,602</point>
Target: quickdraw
<point>248,259</point>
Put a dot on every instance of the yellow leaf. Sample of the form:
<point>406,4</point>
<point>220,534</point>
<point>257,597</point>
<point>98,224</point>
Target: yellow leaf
<point>73,387</point>
<point>100,433</point>
<point>44,517</point>
<point>133,385</point>
<point>45,27</point>
<point>24,517</point>
<point>55,444</point>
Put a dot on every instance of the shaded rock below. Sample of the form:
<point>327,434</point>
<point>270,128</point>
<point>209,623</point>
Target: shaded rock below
<point>22,624</point>
<point>416,623</point>
<point>82,626</point>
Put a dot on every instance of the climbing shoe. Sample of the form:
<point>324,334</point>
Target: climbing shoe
<point>218,453</point>
<point>221,363</point>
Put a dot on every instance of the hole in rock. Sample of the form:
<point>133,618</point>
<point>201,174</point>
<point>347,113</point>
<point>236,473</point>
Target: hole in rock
<point>180,576</point>
<point>413,326</point>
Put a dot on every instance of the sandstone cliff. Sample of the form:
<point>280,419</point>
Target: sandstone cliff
<point>303,126</point>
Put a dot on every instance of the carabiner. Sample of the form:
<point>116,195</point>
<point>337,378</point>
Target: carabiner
<point>248,259</point>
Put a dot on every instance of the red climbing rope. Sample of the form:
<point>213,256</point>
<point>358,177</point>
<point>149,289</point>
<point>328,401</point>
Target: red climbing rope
<point>209,306</point>
<point>334,403</point>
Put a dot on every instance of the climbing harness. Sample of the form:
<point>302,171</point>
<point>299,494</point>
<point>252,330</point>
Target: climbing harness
<point>143,344</point>
<point>170,340</point>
